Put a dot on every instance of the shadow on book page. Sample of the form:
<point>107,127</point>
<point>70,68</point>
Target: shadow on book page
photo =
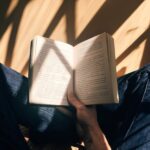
<point>51,72</point>
<point>94,78</point>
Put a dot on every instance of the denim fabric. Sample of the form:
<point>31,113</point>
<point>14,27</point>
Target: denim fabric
<point>47,123</point>
<point>126,124</point>
<point>10,135</point>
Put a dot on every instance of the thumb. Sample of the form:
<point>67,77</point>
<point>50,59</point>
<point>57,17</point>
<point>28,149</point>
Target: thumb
<point>73,100</point>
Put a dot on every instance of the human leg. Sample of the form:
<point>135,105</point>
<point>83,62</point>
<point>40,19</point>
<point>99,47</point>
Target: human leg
<point>127,122</point>
<point>10,135</point>
<point>46,123</point>
<point>135,129</point>
<point>49,123</point>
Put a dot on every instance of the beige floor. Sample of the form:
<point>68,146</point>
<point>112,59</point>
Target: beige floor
<point>74,21</point>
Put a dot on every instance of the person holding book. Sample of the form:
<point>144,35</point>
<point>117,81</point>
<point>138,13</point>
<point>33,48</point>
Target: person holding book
<point>120,126</point>
<point>87,125</point>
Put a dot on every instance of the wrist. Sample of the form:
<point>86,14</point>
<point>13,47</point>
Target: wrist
<point>96,138</point>
<point>91,132</point>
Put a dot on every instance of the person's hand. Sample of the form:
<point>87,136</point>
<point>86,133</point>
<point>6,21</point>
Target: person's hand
<point>92,135</point>
<point>86,115</point>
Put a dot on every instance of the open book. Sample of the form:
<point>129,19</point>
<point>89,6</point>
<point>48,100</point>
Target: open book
<point>89,67</point>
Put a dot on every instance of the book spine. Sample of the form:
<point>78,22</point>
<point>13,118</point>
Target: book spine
<point>31,63</point>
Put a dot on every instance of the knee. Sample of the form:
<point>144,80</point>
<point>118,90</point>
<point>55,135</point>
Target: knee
<point>146,68</point>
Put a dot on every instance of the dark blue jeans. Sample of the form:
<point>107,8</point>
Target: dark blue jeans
<point>126,125</point>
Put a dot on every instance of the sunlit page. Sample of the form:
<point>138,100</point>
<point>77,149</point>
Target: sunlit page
<point>51,73</point>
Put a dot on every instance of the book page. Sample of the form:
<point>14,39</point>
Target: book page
<point>51,71</point>
<point>93,83</point>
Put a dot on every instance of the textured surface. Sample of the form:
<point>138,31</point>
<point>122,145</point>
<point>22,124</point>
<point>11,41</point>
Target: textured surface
<point>74,21</point>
